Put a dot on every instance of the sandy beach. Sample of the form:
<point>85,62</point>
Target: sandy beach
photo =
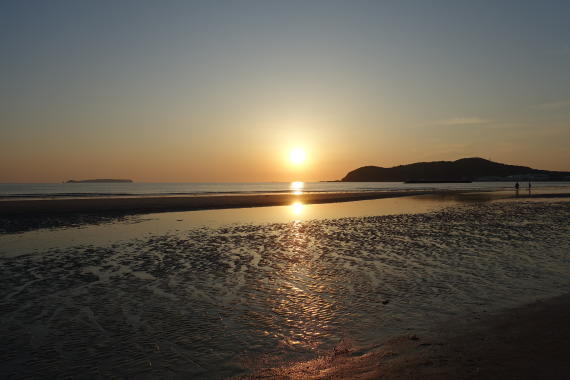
<point>17,215</point>
<point>436,295</point>
<point>527,342</point>
<point>146,204</point>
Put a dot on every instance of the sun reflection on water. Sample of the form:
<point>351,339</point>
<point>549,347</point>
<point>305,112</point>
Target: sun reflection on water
<point>301,308</point>
<point>297,208</point>
<point>297,187</point>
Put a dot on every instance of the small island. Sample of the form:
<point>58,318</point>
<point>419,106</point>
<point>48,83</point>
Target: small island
<point>104,180</point>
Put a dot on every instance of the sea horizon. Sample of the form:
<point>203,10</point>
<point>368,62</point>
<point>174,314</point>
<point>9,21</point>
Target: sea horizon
<point>57,190</point>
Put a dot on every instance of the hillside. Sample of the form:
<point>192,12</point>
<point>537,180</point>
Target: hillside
<point>463,169</point>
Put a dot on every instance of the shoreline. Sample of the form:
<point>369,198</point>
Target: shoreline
<point>151,204</point>
<point>525,342</point>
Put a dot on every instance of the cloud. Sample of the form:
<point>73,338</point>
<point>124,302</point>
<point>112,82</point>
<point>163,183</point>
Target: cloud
<point>464,121</point>
<point>554,105</point>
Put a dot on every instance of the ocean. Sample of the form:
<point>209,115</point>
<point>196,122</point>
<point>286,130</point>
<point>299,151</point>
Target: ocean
<point>34,190</point>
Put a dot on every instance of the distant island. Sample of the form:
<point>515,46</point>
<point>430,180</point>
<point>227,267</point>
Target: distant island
<point>463,170</point>
<point>104,180</point>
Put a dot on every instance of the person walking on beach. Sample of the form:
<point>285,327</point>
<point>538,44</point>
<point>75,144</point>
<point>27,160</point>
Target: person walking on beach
<point>517,186</point>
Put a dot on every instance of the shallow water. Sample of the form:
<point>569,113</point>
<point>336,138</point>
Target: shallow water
<point>197,301</point>
<point>157,224</point>
<point>28,190</point>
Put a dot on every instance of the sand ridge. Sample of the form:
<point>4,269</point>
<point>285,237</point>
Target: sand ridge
<point>526,342</point>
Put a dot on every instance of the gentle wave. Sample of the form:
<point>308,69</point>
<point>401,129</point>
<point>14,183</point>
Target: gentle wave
<point>47,190</point>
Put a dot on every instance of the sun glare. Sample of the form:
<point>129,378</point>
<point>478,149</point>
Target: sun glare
<point>297,208</point>
<point>297,156</point>
<point>297,187</point>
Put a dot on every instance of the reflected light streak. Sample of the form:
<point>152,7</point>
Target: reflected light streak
<point>297,208</point>
<point>297,187</point>
<point>301,310</point>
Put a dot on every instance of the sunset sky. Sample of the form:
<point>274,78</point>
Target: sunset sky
<point>189,91</point>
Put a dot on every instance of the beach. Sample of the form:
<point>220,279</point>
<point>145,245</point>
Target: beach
<point>141,204</point>
<point>27,214</point>
<point>527,342</point>
<point>457,291</point>
<point>148,204</point>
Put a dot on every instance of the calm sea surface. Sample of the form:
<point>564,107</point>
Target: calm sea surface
<point>116,189</point>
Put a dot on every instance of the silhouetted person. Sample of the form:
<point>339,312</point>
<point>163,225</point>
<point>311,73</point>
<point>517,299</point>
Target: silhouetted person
<point>517,186</point>
<point>529,187</point>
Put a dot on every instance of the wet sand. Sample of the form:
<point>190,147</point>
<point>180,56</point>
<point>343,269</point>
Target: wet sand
<point>21,215</point>
<point>205,302</point>
<point>148,204</point>
<point>145,204</point>
<point>527,342</point>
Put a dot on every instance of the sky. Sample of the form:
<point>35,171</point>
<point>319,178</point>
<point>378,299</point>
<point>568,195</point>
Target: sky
<point>204,91</point>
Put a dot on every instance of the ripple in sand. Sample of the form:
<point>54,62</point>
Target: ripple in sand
<point>206,296</point>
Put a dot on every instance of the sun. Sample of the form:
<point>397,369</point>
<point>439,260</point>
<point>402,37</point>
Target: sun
<point>297,156</point>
